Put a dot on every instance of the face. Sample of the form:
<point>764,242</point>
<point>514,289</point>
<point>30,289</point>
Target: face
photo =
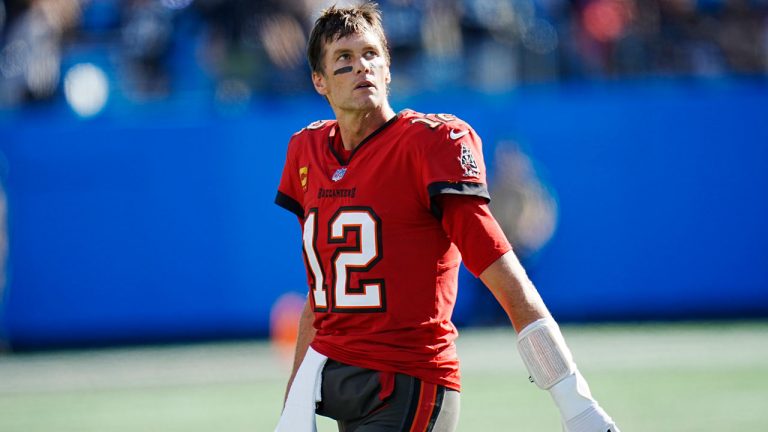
<point>355,73</point>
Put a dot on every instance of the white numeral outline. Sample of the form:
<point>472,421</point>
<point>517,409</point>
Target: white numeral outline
<point>437,121</point>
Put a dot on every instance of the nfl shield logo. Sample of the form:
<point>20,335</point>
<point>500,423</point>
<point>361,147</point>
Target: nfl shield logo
<point>339,174</point>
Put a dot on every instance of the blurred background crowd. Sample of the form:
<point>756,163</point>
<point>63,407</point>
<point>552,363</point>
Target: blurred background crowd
<point>232,49</point>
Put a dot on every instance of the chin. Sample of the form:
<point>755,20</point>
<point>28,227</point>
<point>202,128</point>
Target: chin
<point>368,104</point>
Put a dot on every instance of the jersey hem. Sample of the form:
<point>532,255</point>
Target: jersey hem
<point>331,354</point>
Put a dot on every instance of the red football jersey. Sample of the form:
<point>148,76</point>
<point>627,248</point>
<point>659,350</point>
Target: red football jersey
<point>382,272</point>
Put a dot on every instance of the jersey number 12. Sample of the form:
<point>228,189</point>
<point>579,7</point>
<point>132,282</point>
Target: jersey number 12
<point>346,259</point>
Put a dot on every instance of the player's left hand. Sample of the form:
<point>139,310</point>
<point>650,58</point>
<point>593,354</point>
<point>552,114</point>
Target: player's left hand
<point>594,419</point>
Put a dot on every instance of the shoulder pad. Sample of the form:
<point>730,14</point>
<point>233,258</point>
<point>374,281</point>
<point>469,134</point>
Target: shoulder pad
<point>315,125</point>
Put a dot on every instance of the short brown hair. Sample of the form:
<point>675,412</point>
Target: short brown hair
<point>335,23</point>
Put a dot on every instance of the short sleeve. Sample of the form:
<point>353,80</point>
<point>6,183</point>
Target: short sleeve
<point>292,183</point>
<point>471,226</point>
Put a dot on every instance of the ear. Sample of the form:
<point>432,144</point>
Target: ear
<point>318,80</point>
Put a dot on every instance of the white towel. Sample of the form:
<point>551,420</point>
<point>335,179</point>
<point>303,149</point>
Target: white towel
<point>299,411</point>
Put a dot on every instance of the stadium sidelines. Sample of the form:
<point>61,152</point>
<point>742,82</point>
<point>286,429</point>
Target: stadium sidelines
<point>652,377</point>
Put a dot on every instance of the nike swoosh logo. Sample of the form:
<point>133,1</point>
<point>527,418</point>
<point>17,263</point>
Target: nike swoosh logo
<point>456,135</point>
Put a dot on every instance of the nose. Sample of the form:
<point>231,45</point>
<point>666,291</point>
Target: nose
<point>363,66</point>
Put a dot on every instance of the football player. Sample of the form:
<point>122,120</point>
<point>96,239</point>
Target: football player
<point>389,204</point>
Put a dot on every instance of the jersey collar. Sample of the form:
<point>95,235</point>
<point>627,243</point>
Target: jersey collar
<point>335,144</point>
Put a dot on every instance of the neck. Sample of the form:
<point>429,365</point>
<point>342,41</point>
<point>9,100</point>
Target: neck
<point>355,126</point>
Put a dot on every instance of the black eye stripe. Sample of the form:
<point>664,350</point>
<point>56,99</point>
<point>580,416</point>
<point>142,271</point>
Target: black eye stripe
<point>342,70</point>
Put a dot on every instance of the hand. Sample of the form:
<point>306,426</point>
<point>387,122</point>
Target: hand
<point>594,419</point>
<point>579,410</point>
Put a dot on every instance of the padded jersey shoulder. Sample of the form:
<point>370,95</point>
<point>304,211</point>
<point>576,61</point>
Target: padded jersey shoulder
<point>442,127</point>
<point>314,134</point>
<point>317,127</point>
<point>441,122</point>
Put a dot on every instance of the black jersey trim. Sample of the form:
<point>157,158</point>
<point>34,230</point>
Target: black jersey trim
<point>289,204</point>
<point>381,128</point>
<point>455,188</point>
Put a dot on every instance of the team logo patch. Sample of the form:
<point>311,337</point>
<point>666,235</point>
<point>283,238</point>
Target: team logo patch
<point>339,174</point>
<point>304,177</point>
<point>468,163</point>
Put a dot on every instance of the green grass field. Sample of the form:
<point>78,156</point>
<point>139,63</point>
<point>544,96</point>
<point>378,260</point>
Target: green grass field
<point>652,378</point>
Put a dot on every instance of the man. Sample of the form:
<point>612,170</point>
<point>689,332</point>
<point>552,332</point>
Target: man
<point>389,204</point>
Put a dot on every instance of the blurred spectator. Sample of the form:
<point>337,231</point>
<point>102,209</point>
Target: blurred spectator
<point>255,46</point>
<point>739,35</point>
<point>2,16</point>
<point>524,206</point>
<point>145,39</point>
<point>30,57</point>
<point>441,43</point>
<point>403,28</point>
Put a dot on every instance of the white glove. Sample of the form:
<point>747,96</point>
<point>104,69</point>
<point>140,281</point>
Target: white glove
<point>579,411</point>
<point>592,420</point>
